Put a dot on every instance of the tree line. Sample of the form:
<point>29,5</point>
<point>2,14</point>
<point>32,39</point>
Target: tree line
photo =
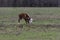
<point>29,3</point>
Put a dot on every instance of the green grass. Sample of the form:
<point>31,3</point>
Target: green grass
<point>26,35</point>
<point>10,15</point>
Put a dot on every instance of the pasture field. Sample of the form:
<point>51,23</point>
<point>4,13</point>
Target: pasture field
<point>45,25</point>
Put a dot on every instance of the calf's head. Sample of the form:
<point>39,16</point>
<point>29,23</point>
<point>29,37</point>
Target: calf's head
<point>29,20</point>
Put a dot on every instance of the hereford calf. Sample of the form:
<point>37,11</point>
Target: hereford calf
<point>24,16</point>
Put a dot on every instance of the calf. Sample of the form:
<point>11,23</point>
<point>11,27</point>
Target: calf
<point>24,16</point>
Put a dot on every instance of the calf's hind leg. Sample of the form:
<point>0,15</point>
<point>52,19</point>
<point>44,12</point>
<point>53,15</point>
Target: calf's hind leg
<point>18,20</point>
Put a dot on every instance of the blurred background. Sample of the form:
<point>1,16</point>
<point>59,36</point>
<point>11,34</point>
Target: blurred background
<point>29,3</point>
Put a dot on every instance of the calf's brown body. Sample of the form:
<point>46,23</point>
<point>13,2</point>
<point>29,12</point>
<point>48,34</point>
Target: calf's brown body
<point>24,16</point>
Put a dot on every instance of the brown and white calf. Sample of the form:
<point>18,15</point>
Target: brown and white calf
<point>26,17</point>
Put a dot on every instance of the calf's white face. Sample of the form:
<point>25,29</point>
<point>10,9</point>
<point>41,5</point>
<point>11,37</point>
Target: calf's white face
<point>30,21</point>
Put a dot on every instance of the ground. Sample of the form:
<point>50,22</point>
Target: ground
<point>45,25</point>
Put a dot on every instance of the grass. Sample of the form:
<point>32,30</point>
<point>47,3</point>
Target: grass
<point>28,35</point>
<point>8,20</point>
